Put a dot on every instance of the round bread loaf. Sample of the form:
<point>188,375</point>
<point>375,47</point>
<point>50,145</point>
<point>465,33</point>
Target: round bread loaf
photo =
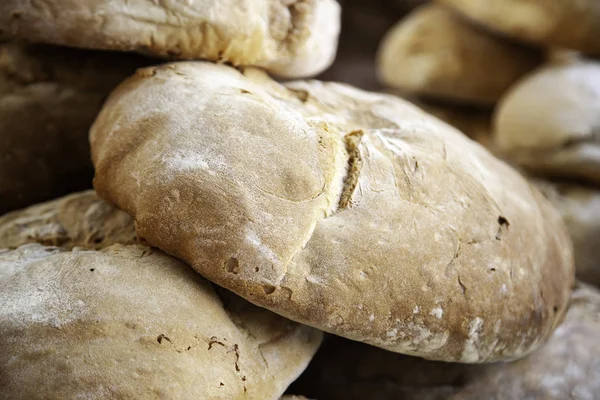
<point>49,97</point>
<point>434,52</point>
<point>353,212</point>
<point>130,322</point>
<point>289,38</point>
<point>78,220</point>
<point>566,367</point>
<point>549,123</point>
<point>552,23</point>
<point>580,208</point>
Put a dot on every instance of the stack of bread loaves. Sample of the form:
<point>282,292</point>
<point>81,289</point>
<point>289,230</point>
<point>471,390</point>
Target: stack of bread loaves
<point>236,218</point>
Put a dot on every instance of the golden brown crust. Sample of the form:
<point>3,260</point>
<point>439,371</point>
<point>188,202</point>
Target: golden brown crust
<point>130,322</point>
<point>440,251</point>
<point>49,97</point>
<point>434,52</point>
<point>567,366</point>
<point>78,220</point>
<point>288,37</point>
<point>569,24</point>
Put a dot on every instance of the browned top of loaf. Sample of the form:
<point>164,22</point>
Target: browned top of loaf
<point>350,211</point>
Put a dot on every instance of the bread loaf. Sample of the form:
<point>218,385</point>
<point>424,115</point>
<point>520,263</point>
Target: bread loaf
<point>552,23</point>
<point>549,123</point>
<point>289,38</point>
<point>131,322</point>
<point>433,52</point>
<point>353,212</point>
<point>78,220</point>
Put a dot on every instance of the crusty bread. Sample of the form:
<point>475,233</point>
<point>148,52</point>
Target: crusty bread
<point>552,23</point>
<point>579,206</point>
<point>78,220</point>
<point>434,52</point>
<point>49,97</point>
<point>289,38</point>
<point>549,123</point>
<point>353,212</point>
<point>567,367</point>
<point>130,322</point>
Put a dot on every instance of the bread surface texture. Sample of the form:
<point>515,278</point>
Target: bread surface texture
<point>353,212</point>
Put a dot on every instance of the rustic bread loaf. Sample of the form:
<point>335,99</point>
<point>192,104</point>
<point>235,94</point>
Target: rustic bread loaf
<point>579,206</point>
<point>434,52</point>
<point>552,23</point>
<point>353,212</point>
<point>566,367</point>
<point>130,322</point>
<point>549,123</point>
<point>78,220</point>
<point>49,97</point>
<point>287,37</point>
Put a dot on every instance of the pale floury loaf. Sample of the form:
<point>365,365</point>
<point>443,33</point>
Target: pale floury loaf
<point>130,322</point>
<point>436,53</point>
<point>552,23</point>
<point>353,212</point>
<point>290,38</point>
<point>549,122</point>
